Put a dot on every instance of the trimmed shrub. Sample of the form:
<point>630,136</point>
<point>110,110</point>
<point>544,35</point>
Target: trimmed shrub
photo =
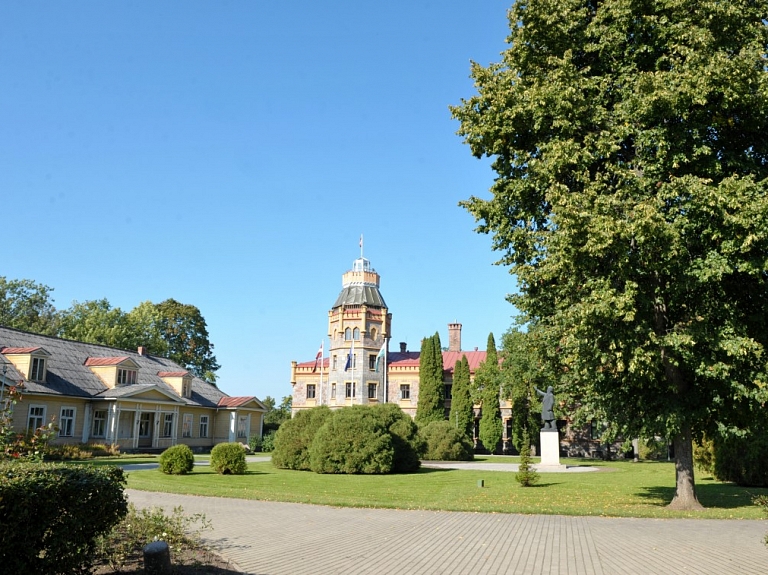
<point>177,460</point>
<point>408,444</point>
<point>294,437</point>
<point>228,459</point>
<point>51,515</point>
<point>353,440</point>
<point>446,443</point>
<point>742,459</point>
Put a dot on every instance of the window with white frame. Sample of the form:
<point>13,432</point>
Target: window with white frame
<point>36,417</point>
<point>405,391</point>
<point>242,427</point>
<point>99,423</point>
<point>311,391</point>
<point>186,389</point>
<point>126,376</point>
<point>67,422</point>
<point>37,369</point>
<point>167,424</point>
<point>203,426</point>
<point>186,425</point>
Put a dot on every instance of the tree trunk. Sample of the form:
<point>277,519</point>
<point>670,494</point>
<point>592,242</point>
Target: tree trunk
<point>685,489</point>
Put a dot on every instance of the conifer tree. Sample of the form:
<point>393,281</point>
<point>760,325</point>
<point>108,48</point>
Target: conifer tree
<point>488,378</point>
<point>431,404</point>
<point>462,415</point>
<point>526,474</point>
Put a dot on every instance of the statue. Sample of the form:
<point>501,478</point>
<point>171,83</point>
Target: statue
<point>547,409</point>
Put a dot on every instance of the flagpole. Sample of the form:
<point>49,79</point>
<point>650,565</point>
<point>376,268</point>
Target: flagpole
<point>322,361</point>
<point>386,380</point>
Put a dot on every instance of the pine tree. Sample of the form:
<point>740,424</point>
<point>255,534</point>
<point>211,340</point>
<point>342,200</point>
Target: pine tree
<point>462,414</point>
<point>431,404</point>
<point>526,475</point>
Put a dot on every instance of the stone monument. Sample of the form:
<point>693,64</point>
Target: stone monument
<point>550,438</point>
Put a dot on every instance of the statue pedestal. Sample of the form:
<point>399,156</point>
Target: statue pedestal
<point>550,451</point>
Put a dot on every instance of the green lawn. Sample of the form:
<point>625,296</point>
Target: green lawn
<point>620,488</point>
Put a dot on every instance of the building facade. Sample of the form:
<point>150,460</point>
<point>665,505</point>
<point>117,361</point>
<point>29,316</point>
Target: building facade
<point>98,394</point>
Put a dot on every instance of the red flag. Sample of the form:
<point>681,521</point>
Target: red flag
<point>318,357</point>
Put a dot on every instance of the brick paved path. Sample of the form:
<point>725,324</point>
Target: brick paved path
<point>269,538</point>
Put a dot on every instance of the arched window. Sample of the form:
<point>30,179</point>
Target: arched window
<point>347,334</point>
<point>374,333</point>
<point>356,334</point>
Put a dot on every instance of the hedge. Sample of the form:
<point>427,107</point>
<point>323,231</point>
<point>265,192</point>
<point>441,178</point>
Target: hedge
<point>294,437</point>
<point>446,443</point>
<point>51,514</point>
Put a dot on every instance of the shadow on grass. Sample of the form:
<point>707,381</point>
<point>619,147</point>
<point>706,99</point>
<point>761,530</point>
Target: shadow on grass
<point>716,496</point>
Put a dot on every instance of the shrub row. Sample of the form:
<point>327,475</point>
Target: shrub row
<point>51,514</point>
<point>368,439</point>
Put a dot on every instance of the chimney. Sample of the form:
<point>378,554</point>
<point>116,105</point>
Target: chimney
<point>454,337</point>
<point>142,350</point>
<point>403,346</point>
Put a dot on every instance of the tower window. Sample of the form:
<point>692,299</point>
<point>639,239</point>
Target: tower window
<point>347,334</point>
<point>374,333</point>
<point>311,391</point>
<point>350,391</point>
<point>372,388</point>
<point>335,366</point>
<point>356,334</point>
<point>333,391</point>
<point>372,361</point>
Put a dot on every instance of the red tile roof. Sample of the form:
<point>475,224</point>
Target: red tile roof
<point>172,373</point>
<point>411,359</point>
<point>311,364</point>
<point>97,361</point>
<point>234,401</point>
<point>19,349</point>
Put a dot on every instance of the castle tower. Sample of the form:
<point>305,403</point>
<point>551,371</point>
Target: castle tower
<point>358,328</point>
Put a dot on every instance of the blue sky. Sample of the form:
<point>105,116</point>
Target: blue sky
<point>230,154</point>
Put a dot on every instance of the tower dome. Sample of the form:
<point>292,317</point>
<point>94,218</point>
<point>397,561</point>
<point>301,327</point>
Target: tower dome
<point>360,286</point>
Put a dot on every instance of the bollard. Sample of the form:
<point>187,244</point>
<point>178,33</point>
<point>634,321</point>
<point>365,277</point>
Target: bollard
<point>157,558</point>
<point>481,483</point>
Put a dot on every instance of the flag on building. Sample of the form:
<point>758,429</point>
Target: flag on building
<point>350,357</point>
<point>318,357</point>
<point>380,355</point>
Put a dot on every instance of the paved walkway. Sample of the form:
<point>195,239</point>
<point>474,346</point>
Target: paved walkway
<point>268,538</point>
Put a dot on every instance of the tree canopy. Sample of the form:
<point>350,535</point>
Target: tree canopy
<point>630,145</point>
<point>27,306</point>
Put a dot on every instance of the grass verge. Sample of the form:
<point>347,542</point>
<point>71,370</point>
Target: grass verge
<point>619,489</point>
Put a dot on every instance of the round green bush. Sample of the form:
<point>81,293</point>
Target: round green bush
<point>446,443</point>
<point>292,440</point>
<point>353,440</point>
<point>408,444</point>
<point>228,459</point>
<point>177,460</point>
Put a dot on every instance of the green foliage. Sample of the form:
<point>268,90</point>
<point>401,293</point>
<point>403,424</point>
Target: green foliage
<point>762,501</point>
<point>70,451</point>
<point>51,515</point>
<point>523,369</point>
<point>431,402</point>
<point>526,475</point>
<point>27,306</point>
<point>353,440</point>
<point>255,443</point>
<point>445,442</point>
<point>30,446</point>
<point>268,442</point>
<point>704,455</point>
<point>140,527</point>
<point>228,459</point>
<point>488,381</point>
<point>406,441</point>
<point>177,460</point>
<point>462,415</point>
<point>631,203</point>
<point>185,331</point>
<point>294,437</point>
<point>652,449</point>
<point>276,415</point>
<point>742,459</point>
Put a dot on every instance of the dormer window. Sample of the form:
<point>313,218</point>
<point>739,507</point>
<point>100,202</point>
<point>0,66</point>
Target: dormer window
<point>37,371</point>
<point>126,376</point>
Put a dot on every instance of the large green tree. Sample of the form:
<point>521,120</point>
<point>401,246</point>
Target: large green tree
<point>27,306</point>
<point>186,333</point>
<point>630,145</point>
<point>96,321</point>
<point>462,415</point>
<point>431,402</point>
<point>488,381</point>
